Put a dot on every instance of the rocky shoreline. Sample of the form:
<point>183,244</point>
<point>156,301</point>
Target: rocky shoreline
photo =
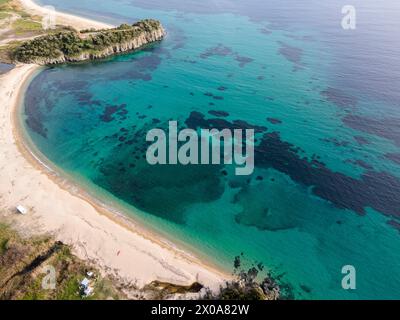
<point>69,47</point>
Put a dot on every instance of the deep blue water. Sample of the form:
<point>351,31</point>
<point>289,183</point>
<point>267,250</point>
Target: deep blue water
<point>326,189</point>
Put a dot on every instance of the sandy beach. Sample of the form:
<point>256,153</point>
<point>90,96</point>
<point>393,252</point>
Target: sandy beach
<point>62,18</point>
<point>117,246</point>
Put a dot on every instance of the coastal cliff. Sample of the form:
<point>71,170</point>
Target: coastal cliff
<point>72,46</point>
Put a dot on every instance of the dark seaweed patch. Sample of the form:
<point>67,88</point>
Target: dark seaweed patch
<point>127,174</point>
<point>386,128</point>
<point>210,94</point>
<point>133,75</point>
<point>258,214</point>
<point>73,85</point>
<point>177,37</point>
<point>339,98</point>
<point>336,142</point>
<point>157,50</point>
<point>243,61</point>
<point>292,54</point>
<point>37,126</point>
<point>33,111</point>
<point>395,157</point>
<point>84,98</point>
<point>274,120</point>
<point>218,113</point>
<point>189,61</point>
<point>361,140</point>
<point>197,120</point>
<point>360,163</point>
<point>305,288</point>
<point>265,31</point>
<point>395,224</point>
<point>378,190</point>
<point>110,110</point>
<point>140,67</point>
<point>223,51</point>
<point>94,103</point>
<point>219,50</point>
<point>147,63</point>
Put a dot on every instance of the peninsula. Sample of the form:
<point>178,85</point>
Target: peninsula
<point>90,44</point>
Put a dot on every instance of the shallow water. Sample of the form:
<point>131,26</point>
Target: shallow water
<point>5,67</point>
<point>326,189</point>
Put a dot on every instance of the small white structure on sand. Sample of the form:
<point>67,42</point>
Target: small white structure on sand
<point>85,287</point>
<point>85,283</point>
<point>89,274</point>
<point>88,291</point>
<point>21,209</point>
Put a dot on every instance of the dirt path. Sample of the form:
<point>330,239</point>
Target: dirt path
<point>5,24</point>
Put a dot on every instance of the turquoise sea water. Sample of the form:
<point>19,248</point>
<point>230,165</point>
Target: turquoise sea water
<point>326,189</point>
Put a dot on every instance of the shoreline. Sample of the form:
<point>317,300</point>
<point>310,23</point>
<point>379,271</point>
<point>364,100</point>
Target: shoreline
<point>63,18</point>
<point>65,182</point>
<point>117,244</point>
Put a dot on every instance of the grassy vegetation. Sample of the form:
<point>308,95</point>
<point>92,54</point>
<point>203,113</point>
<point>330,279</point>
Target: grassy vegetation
<point>71,44</point>
<point>21,270</point>
<point>3,2</point>
<point>7,50</point>
<point>3,245</point>
<point>21,23</point>
<point>9,6</point>
<point>4,9</point>
<point>4,15</point>
<point>22,26</point>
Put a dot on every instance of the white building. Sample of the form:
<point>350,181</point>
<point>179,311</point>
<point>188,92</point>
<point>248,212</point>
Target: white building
<point>21,209</point>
